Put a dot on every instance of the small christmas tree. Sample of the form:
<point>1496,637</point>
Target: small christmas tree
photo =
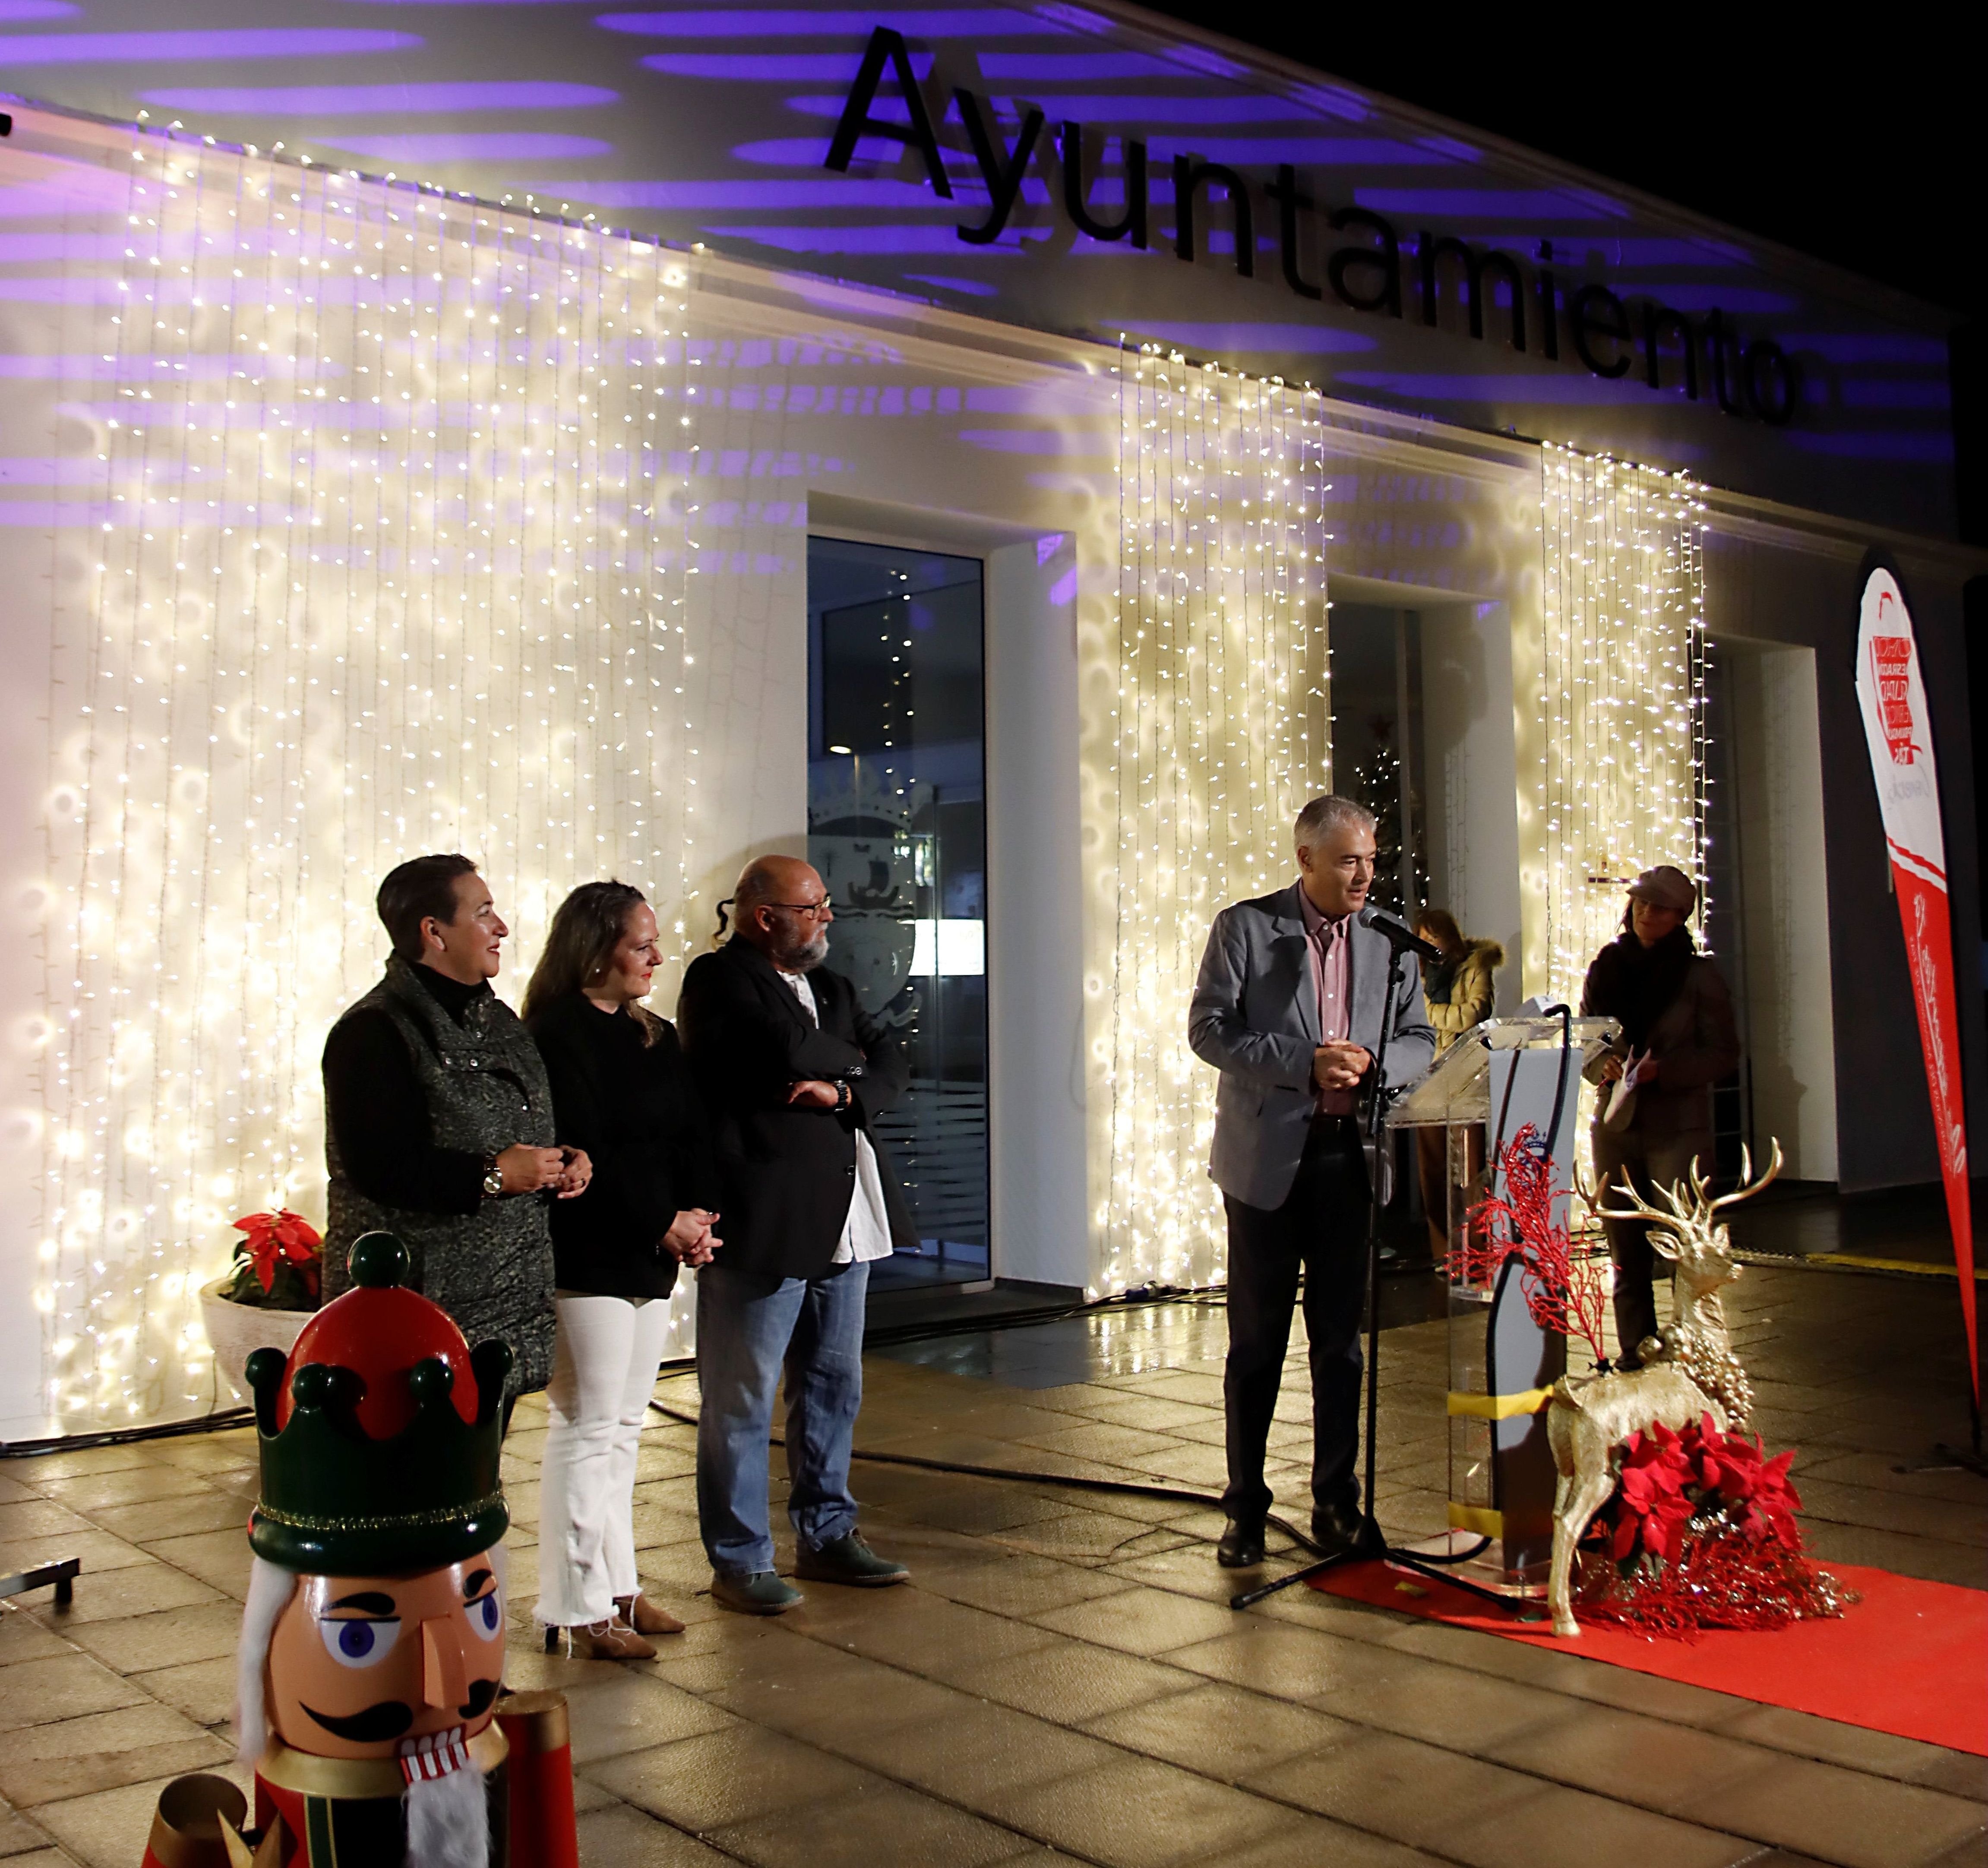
<point>1375,783</point>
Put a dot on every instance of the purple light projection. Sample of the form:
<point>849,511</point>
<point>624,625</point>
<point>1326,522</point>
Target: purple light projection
<point>705,196</point>
<point>1225,339</point>
<point>1148,110</point>
<point>1038,441</point>
<point>202,48</point>
<point>1732,299</point>
<point>1859,347</point>
<point>965,22</point>
<point>1560,205</point>
<point>868,239</point>
<point>674,116</point>
<point>975,288</point>
<point>805,152</point>
<point>1075,67</point>
<point>497,146</point>
<point>382,99</point>
<point>1569,390</point>
<point>1921,448</point>
<point>773,67</point>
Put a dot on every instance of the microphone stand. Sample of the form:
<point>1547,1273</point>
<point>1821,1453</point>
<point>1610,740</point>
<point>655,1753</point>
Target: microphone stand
<point>1370,1545</point>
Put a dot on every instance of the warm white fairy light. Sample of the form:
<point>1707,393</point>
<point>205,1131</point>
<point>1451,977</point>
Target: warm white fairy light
<point>393,560</point>
<point>1218,734</point>
<point>1622,777</point>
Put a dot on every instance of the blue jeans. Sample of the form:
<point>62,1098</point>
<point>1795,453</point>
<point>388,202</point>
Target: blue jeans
<point>747,1328</point>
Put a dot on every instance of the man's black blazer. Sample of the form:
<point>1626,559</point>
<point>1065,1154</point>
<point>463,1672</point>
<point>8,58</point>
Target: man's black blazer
<point>786,1174</point>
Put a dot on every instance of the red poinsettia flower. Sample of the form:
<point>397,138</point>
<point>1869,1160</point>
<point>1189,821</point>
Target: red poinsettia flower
<point>1774,1504</point>
<point>1725,1467</point>
<point>1654,1508</point>
<point>1728,1471</point>
<point>281,1236</point>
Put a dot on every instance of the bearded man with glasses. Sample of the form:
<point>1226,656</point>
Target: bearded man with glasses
<point>794,1071</point>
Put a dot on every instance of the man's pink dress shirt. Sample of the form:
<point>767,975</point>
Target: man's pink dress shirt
<point>1331,946</point>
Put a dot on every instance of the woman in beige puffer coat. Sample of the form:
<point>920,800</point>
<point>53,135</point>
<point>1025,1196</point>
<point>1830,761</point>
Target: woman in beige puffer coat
<point>1458,991</point>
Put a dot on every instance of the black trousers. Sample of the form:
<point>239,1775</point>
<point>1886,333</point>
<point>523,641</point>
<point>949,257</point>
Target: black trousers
<point>1321,1228</point>
<point>1648,1162</point>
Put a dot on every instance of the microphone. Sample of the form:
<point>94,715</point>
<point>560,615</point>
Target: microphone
<point>1402,940</point>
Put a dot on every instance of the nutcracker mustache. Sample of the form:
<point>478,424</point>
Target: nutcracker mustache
<point>388,1720</point>
<point>391,1718</point>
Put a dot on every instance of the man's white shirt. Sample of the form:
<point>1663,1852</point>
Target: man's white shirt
<point>865,1233</point>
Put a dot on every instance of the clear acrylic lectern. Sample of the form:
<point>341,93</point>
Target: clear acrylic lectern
<point>1493,1082</point>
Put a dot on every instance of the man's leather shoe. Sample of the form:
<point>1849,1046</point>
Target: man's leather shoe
<point>847,1559</point>
<point>1337,1527</point>
<point>1242,1544</point>
<point>761,1593</point>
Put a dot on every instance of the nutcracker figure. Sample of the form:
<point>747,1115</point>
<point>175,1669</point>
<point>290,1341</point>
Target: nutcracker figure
<point>372,1655</point>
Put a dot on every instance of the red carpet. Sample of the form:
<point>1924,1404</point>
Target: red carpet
<point>1911,1659</point>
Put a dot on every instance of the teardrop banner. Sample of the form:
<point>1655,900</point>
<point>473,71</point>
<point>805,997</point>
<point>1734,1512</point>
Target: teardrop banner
<point>1898,729</point>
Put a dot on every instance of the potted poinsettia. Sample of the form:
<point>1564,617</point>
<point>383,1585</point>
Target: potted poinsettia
<point>1700,1532</point>
<point>266,1296</point>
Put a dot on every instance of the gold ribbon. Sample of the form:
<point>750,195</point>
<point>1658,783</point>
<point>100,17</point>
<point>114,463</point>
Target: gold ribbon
<point>397,1520</point>
<point>1499,1407</point>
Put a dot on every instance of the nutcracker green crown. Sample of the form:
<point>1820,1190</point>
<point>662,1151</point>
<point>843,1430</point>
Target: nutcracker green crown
<point>380,1433</point>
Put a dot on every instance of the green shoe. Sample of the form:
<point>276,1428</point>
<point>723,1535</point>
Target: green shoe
<point>847,1559</point>
<point>761,1593</point>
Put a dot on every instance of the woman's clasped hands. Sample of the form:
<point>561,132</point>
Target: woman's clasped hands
<point>690,1240</point>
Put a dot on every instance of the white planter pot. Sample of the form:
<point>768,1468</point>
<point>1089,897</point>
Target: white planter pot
<point>236,1330</point>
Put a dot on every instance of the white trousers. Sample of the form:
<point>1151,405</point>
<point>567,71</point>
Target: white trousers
<point>603,1372</point>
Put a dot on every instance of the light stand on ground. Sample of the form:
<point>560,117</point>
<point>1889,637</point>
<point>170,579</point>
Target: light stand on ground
<point>1370,1545</point>
<point>1957,1458</point>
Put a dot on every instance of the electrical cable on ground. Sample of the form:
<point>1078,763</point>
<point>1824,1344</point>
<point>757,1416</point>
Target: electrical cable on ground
<point>1124,1487</point>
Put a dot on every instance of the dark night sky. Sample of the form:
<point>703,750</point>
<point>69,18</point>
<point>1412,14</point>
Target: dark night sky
<point>1862,152</point>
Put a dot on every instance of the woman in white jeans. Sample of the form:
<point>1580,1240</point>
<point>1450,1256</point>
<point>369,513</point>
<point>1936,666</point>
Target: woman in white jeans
<point>620,1080</point>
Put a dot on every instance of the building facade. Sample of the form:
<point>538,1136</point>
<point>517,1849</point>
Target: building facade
<point>1014,454</point>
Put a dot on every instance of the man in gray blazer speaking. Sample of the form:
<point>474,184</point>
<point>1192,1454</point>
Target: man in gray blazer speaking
<point>1291,1005</point>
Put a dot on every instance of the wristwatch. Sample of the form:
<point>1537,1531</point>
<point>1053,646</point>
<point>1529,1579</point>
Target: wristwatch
<point>493,1178</point>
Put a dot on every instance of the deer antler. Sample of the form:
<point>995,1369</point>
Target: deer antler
<point>1675,1221</point>
<point>1691,1214</point>
<point>1745,1191</point>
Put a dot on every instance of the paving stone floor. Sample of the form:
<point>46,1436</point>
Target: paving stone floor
<point>1063,1680</point>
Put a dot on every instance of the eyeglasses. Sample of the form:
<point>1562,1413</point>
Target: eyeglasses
<point>815,911</point>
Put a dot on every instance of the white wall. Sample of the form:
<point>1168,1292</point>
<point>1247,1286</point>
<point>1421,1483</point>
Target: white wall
<point>1784,889</point>
<point>1035,893</point>
<point>1785,585</point>
<point>1470,776</point>
<point>28,618</point>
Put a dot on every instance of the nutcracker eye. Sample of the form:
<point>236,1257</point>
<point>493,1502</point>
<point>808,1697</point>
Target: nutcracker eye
<point>359,1641</point>
<point>486,1616</point>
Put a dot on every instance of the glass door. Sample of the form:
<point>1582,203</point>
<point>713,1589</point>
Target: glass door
<point>897,827</point>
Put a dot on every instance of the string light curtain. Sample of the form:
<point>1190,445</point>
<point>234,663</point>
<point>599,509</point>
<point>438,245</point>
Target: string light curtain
<point>392,560</point>
<point>1622,773</point>
<point>1217,731</point>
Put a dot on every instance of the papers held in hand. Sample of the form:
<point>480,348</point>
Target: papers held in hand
<point>1618,1108</point>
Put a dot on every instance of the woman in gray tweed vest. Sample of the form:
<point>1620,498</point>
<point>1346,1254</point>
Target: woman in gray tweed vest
<point>439,1121</point>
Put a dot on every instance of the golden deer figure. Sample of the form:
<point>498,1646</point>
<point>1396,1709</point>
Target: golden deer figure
<point>1690,1373</point>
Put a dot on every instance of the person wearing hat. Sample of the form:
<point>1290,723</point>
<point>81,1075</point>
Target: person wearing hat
<point>1679,1039</point>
